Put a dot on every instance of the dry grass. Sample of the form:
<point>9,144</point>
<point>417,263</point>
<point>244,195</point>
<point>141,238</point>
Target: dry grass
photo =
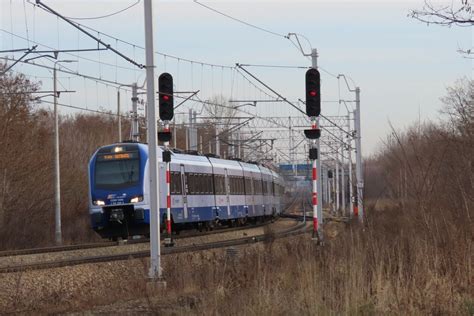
<point>385,269</point>
<point>393,265</point>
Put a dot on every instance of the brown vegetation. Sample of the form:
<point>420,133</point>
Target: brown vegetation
<point>26,165</point>
<point>414,257</point>
<point>379,270</point>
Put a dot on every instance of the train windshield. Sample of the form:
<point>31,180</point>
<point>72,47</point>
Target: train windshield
<point>115,171</point>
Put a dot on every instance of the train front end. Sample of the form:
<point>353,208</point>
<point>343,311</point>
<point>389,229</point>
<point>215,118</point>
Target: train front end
<point>117,199</point>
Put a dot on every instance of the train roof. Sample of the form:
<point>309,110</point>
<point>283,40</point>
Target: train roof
<point>182,156</point>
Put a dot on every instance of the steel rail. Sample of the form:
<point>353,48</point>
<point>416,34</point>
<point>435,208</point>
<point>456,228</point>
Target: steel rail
<point>297,229</point>
<point>54,249</point>
<point>104,244</point>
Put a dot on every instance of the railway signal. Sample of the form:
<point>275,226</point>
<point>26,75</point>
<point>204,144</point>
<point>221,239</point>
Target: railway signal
<point>165,92</point>
<point>313,92</point>
<point>165,89</point>
<point>313,110</point>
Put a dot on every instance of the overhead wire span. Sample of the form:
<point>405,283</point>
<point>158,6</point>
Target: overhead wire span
<point>69,71</point>
<point>253,84</point>
<point>106,15</point>
<point>329,73</point>
<point>26,23</point>
<point>156,52</point>
<point>255,26</point>
<point>275,66</point>
<point>84,109</point>
<point>269,88</point>
<point>240,21</point>
<point>98,40</point>
<point>66,52</point>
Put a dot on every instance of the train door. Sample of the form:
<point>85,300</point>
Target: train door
<point>227,192</point>
<point>252,195</point>
<point>184,191</point>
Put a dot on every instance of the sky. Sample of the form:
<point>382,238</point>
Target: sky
<point>401,65</point>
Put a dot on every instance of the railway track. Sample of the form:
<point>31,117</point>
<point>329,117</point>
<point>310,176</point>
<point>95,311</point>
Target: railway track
<point>103,244</point>
<point>296,229</point>
<point>53,249</point>
<point>307,207</point>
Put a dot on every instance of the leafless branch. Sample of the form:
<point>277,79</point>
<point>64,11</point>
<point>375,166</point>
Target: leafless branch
<point>459,15</point>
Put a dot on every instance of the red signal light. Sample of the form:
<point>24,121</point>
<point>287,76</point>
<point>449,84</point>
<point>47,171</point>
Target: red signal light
<point>312,93</point>
<point>166,97</point>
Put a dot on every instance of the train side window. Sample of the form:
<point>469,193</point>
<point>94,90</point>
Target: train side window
<point>198,184</point>
<point>201,184</point>
<point>232,185</point>
<point>175,185</point>
<point>217,179</point>
<point>209,183</point>
<point>172,184</point>
<point>258,186</point>
<point>192,187</point>
<point>190,182</point>
<point>179,185</point>
<point>224,185</point>
<point>219,185</point>
<point>205,185</point>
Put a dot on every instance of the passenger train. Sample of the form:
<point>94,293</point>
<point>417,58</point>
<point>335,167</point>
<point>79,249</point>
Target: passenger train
<point>205,191</point>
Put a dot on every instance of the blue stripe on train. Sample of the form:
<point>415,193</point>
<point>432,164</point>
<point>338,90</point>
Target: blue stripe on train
<point>206,213</point>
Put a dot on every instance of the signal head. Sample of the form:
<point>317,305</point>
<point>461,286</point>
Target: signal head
<point>165,90</point>
<point>313,92</point>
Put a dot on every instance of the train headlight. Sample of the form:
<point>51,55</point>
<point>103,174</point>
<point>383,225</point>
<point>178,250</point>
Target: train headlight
<point>98,202</point>
<point>136,199</point>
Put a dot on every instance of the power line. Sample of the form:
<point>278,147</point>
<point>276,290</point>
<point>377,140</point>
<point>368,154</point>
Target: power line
<point>331,74</point>
<point>26,23</point>
<point>258,27</point>
<point>275,66</point>
<point>276,93</point>
<point>74,55</point>
<point>84,109</point>
<point>98,40</point>
<point>104,16</point>
<point>69,71</point>
<point>156,52</point>
<point>253,84</point>
<point>133,45</point>
<point>240,21</point>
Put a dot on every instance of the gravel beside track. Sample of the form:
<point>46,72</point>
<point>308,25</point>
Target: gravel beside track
<point>43,260</point>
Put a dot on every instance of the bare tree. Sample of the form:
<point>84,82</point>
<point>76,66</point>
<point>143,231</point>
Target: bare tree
<point>453,14</point>
<point>457,13</point>
<point>220,118</point>
<point>219,110</point>
<point>459,106</point>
